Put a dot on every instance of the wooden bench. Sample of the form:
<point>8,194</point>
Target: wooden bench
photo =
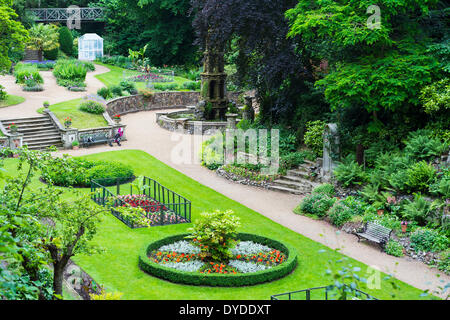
<point>94,138</point>
<point>375,233</point>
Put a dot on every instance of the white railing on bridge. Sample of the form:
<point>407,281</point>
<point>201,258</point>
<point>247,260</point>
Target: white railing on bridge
<point>63,14</point>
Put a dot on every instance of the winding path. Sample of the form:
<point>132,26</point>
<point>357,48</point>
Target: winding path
<point>52,93</point>
<point>144,134</point>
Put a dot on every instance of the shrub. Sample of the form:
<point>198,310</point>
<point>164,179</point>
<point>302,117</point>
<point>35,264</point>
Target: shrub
<point>326,188</point>
<point>316,204</point>
<point>3,93</point>
<point>128,86</point>
<point>314,136</point>
<point>291,160</point>
<point>65,40</point>
<point>77,172</point>
<point>419,209</point>
<point>349,173</point>
<point>72,70</point>
<point>421,146</point>
<point>444,261</point>
<point>91,106</point>
<point>339,213</point>
<point>441,187</point>
<point>394,248</point>
<point>420,176</point>
<point>116,91</point>
<point>26,71</point>
<point>51,54</point>
<point>428,240</point>
<point>357,206</point>
<point>215,234</point>
<point>105,93</point>
<point>192,85</point>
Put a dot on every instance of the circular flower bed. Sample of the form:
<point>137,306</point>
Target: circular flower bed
<point>255,259</point>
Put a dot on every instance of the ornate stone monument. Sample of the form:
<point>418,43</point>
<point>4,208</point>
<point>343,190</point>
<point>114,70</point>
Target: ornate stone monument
<point>214,101</point>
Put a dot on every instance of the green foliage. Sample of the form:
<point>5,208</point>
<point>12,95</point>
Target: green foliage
<point>441,187</point>
<point>23,71</point>
<point>3,93</point>
<point>166,86</point>
<point>436,97</point>
<point>67,172</point>
<point>91,106</point>
<point>192,85</point>
<point>420,176</point>
<point>215,234</point>
<point>349,173</point>
<point>420,146</point>
<point>428,240</point>
<point>66,40</point>
<point>51,54</point>
<point>339,213</point>
<point>70,70</point>
<point>419,209</point>
<point>394,248</point>
<point>444,261</point>
<point>314,136</point>
<point>243,172</point>
<point>14,35</point>
<point>105,93</point>
<point>316,204</point>
<point>291,160</point>
<point>128,86</point>
<point>326,188</point>
<point>43,37</point>
<point>116,91</point>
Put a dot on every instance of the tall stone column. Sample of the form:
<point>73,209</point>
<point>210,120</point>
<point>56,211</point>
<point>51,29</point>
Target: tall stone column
<point>330,150</point>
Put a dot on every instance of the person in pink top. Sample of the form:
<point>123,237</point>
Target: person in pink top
<point>117,137</point>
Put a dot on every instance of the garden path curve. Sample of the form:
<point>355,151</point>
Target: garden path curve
<point>144,134</point>
<point>52,93</point>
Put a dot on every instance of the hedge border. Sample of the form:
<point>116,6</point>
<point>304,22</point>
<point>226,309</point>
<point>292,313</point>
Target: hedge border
<point>219,280</point>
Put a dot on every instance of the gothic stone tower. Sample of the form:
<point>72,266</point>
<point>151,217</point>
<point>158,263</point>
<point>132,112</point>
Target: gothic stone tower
<point>214,85</point>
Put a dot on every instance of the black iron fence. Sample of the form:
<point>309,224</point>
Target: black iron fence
<point>322,293</point>
<point>161,205</point>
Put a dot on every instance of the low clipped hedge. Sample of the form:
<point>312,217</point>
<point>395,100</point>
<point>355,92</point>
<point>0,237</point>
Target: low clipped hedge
<point>219,280</point>
<point>79,173</point>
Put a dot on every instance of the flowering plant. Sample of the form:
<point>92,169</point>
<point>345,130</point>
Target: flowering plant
<point>67,122</point>
<point>12,126</point>
<point>116,117</point>
<point>404,223</point>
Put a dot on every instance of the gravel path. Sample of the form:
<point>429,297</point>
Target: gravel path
<point>144,134</point>
<point>52,93</point>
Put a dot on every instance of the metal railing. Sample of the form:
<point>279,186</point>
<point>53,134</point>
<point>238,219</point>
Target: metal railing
<point>164,206</point>
<point>63,14</point>
<point>321,293</point>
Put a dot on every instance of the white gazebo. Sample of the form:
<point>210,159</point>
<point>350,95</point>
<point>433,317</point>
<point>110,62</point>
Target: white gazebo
<point>90,47</point>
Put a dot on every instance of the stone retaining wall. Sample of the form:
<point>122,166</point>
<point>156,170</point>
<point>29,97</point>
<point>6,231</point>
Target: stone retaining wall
<point>159,101</point>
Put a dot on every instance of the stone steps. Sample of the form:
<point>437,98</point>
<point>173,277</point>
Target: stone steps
<point>38,132</point>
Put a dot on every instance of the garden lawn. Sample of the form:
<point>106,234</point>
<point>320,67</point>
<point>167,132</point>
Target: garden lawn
<point>80,119</point>
<point>117,267</point>
<point>11,100</point>
<point>116,75</point>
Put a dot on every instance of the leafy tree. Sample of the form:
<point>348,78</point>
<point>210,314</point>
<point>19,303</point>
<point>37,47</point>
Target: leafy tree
<point>165,25</point>
<point>43,37</point>
<point>12,34</point>
<point>66,40</point>
<point>366,65</point>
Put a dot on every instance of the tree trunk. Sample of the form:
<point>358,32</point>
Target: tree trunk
<point>360,154</point>
<point>41,55</point>
<point>58,277</point>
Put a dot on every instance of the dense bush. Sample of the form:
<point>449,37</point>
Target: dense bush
<point>326,188</point>
<point>166,87</point>
<point>24,71</point>
<point>192,85</point>
<point>66,40</point>
<point>428,240</point>
<point>77,172</point>
<point>419,210</point>
<point>116,91</point>
<point>220,280</point>
<point>105,93</point>
<point>128,86</point>
<point>317,204</point>
<point>444,261</point>
<point>51,54</point>
<point>291,160</point>
<point>91,106</point>
<point>68,72</point>
<point>394,248</point>
<point>313,137</point>
<point>421,146</point>
<point>339,213</point>
<point>3,93</point>
<point>349,173</point>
